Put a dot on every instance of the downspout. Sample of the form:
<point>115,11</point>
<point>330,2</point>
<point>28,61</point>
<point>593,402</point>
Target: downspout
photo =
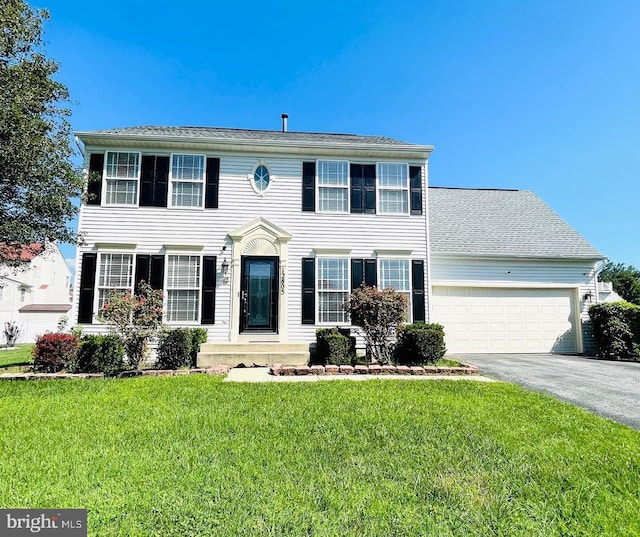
<point>426,225</point>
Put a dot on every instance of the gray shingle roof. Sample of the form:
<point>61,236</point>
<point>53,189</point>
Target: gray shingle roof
<point>512,223</point>
<point>249,135</point>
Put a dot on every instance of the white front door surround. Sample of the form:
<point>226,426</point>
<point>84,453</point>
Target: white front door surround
<point>259,238</point>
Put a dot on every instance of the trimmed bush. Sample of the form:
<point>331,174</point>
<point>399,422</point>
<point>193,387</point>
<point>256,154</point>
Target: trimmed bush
<point>179,347</point>
<point>99,354</point>
<point>419,344</point>
<point>198,337</point>
<point>334,346</point>
<point>616,326</point>
<point>54,352</point>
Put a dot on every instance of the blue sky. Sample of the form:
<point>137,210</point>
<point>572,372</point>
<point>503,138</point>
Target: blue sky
<point>535,95</point>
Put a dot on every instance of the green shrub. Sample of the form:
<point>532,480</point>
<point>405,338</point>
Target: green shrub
<point>99,354</point>
<point>198,337</point>
<point>179,347</point>
<point>334,346</point>
<point>54,352</point>
<point>419,344</point>
<point>616,326</point>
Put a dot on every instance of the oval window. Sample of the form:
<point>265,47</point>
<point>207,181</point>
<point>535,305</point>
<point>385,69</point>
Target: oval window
<point>261,178</point>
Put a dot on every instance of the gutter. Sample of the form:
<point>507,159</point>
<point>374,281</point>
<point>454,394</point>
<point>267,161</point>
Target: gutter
<point>276,146</point>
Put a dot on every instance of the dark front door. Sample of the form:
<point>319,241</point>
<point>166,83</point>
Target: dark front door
<point>259,294</point>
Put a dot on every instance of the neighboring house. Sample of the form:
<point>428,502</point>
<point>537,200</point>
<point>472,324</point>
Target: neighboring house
<point>259,236</point>
<point>37,295</point>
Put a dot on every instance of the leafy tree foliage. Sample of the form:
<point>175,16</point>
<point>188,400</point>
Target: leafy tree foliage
<point>37,178</point>
<point>625,279</point>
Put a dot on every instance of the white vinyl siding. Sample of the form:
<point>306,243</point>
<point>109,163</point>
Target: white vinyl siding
<point>396,273</point>
<point>333,186</point>
<point>187,180</point>
<point>115,273</point>
<point>122,175</point>
<point>393,188</point>
<point>239,204</point>
<point>333,290</point>
<point>183,288</point>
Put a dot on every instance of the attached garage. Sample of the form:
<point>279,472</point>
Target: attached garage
<point>495,320</point>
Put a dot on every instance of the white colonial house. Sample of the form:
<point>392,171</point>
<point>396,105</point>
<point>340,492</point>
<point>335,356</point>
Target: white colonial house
<point>259,237</point>
<point>36,296</point>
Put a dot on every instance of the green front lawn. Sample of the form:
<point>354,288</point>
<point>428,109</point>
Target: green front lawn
<point>192,456</point>
<point>10,358</point>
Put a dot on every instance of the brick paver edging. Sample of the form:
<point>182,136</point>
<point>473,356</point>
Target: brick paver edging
<point>216,370</point>
<point>278,369</point>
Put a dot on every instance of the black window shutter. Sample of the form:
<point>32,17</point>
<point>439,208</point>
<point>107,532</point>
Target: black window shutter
<point>370,272</point>
<point>309,186</point>
<point>154,181</point>
<point>156,272</point>
<point>357,188</point>
<point>208,290</point>
<point>363,188</point>
<point>308,290</point>
<point>143,263</point>
<point>357,273</point>
<point>369,176</point>
<point>417,292</point>
<point>213,182</point>
<point>161,182</point>
<point>87,288</point>
<point>94,185</point>
<point>415,178</point>
<point>147,176</point>
<point>149,268</point>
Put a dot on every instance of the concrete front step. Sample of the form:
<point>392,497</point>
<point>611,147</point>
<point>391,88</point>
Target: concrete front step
<point>259,353</point>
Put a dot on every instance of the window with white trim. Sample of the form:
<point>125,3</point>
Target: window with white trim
<point>333,186</point>
<point>183,288</point>
<point>393,188</point>
<point>396,273</point>
<point>333,289</point>
<point>115,274</point>
<point>187,180</point>
<point>122,175</point>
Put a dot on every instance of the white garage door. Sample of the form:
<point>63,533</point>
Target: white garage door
<point>506,320</point>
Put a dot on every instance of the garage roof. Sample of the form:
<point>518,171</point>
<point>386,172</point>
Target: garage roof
<point>501,223</point>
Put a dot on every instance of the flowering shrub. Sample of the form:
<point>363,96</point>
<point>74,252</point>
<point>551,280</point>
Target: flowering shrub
<point>379,313</point>
<point>135,318</point>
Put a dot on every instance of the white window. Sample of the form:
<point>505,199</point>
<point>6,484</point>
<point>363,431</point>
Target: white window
<point>122,174</point>
<point>395,273</point>
<point>393,188</point>
<point>116,273</point>
<point>333,290</point>
<point>333,186</point>
<point>187,180</point>
<point>183,288</point>
<point>23,294</point>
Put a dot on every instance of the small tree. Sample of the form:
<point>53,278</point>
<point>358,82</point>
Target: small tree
<point>379,313</point>
<point>11,333</point>
<point>625,280</point>
<point>135,318</point>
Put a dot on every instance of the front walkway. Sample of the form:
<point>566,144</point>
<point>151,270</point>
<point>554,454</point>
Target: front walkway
<point>261,374</point>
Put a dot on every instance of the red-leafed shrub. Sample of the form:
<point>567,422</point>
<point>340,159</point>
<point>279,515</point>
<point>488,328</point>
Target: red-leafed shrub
<point>54,352</point>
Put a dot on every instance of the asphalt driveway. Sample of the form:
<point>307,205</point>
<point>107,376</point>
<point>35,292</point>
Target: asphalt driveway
<point>610,389</point>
